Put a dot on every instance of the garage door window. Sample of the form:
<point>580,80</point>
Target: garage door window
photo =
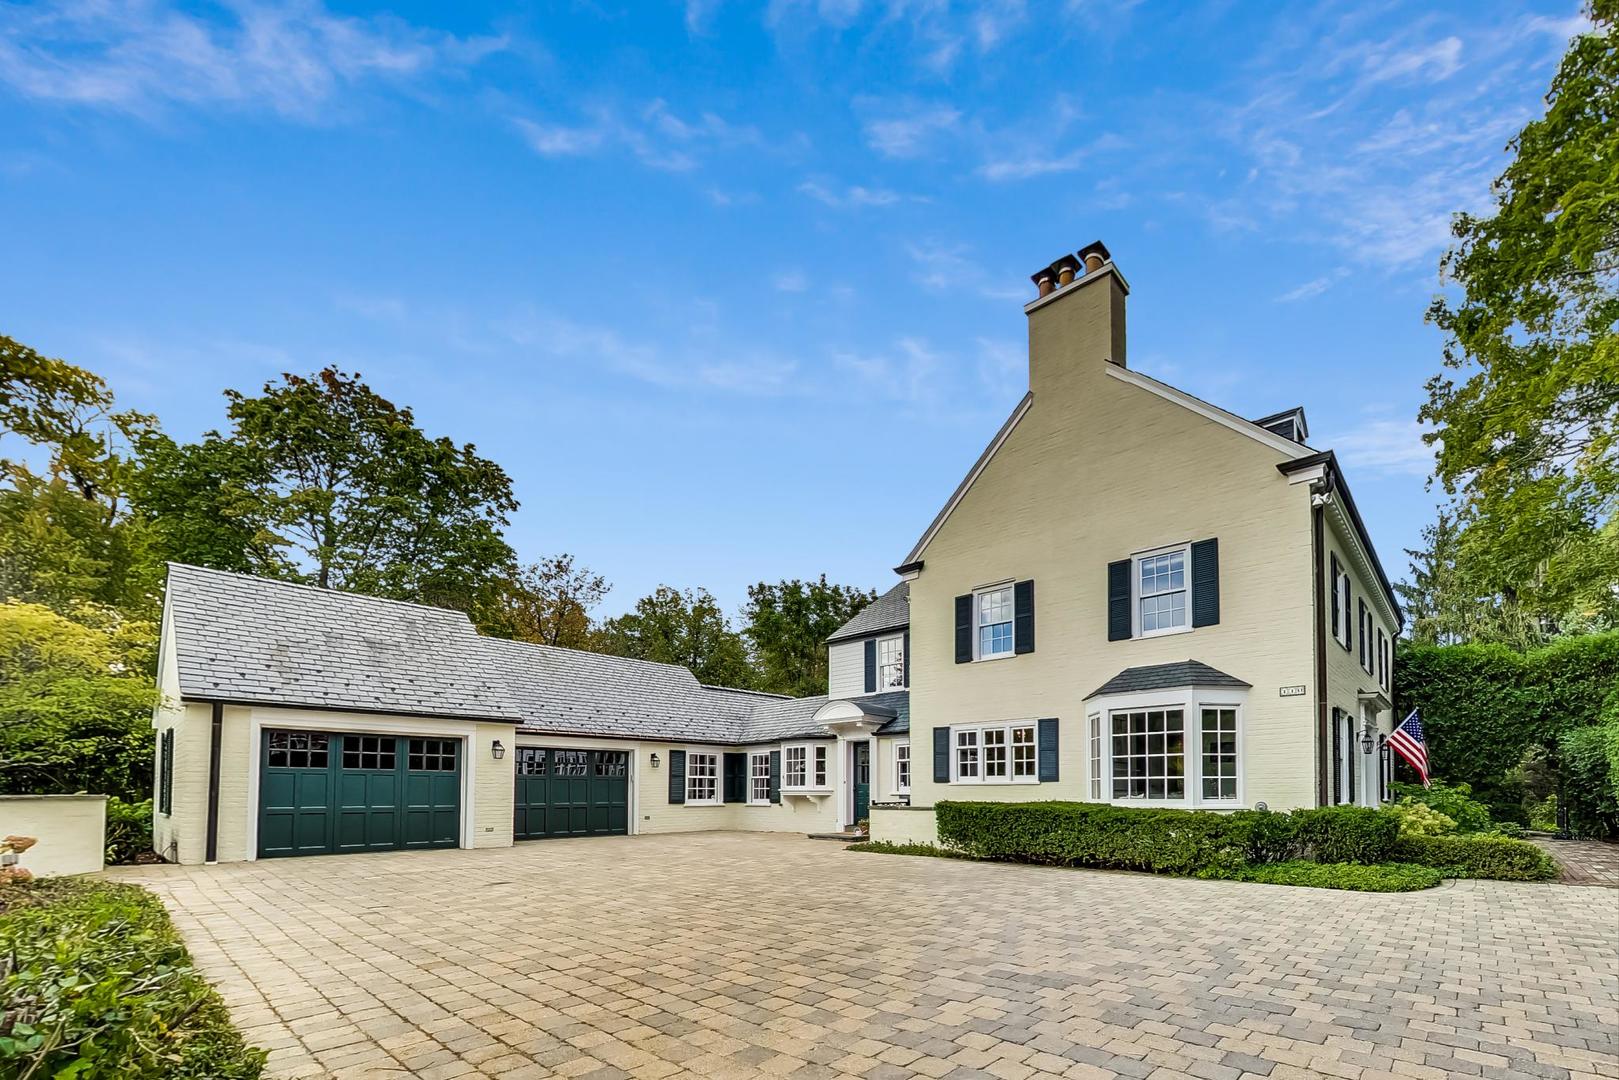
<point>572,762</point>
<point>530,761</point>
<point>369,752</point>
<point>432,755</point>
<point>298,750</point>
<point>611,762</point>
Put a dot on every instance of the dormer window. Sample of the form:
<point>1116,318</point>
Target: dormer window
<point>891,663</point>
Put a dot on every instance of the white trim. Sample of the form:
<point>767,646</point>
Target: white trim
<point>1209,412</point>
<point>1191,700</point>
<point>895,787</point>
<point>899,640</point>
<point>719,778</point>
<point>360,724</point>
<point>1009,587</point>
<point>809,786</point>
<point>1185,548</point>
<point>981,780</point>
<point>1018,412</point>
<point>754,757</point>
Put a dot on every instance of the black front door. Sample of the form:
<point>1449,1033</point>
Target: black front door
<point>862,781</point>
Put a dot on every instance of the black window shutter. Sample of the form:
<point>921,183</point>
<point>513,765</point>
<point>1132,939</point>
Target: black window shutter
<point>964,629</point>
<point>736,778</point>
<point>1349,607</point>
<point>1337,756</point>
<point>1046,736</point>
<point>1023,617</point>
<point>1118,600</point>
<point>871,665</point>
<point>677,776</point>
<point>775,776</point>
<point>1352,752</point>
<point>1365,644</point>
<point>1337,630</point>
<point>941,755</point>
<point>1206,582</point>
<point>905,657</point>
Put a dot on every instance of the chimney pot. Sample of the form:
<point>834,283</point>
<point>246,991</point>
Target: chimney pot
<point>1095,255</point>
<point>1043,281</point>
<point>1067,268</point>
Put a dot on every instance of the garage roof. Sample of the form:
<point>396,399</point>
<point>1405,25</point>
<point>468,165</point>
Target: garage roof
<point>251,640</point>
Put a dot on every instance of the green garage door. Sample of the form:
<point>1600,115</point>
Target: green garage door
<point>322,793</point>
<point>571,793</point>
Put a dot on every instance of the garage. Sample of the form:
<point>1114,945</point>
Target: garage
<point>323,793</point>
<point>563,792</point>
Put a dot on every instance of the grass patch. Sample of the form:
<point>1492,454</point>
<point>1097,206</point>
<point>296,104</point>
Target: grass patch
<point>1380,877</point>
<point>95,984</point>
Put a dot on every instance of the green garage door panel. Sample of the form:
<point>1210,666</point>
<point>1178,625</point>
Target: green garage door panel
<point>571,793</point>
<point>323,793</point>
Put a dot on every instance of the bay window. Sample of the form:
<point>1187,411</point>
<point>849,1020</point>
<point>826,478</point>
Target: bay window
<point>804,767</point>
<point>1219,731</point>
<point>1149,754</point>
<point>1178,747</point>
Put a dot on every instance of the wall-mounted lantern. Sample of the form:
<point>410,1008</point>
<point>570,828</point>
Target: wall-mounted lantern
<point>654,759</point>
<point>1368,739</point>
<point>497,750</point>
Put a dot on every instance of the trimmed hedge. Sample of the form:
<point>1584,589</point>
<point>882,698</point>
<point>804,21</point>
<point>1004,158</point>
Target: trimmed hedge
<point>1386,877</point>
<point>1500,858</point>
<point>1092,834</point>
<point>888,847</point>
<point>95,984</point>
<point>1347,834</point>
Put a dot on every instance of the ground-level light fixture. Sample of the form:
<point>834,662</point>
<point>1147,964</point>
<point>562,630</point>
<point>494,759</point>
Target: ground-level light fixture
<point>497,750</point>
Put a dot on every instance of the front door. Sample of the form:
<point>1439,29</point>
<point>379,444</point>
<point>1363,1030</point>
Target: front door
<point>862,781</point>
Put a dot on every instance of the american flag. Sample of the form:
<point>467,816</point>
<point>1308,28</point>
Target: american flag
<point>1408,742</point>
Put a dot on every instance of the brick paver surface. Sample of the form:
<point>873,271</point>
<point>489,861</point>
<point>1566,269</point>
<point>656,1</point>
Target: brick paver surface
<point>723,955</point>
<point>1585,862</point>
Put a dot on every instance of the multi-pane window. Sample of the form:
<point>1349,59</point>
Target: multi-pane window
<point>1096,755</point>
<point>1340,603</point>
<point>995,622</point>
<point>370,752</point>
<point>1382,660</point>
<point>967,755</point>
<point>795,767</point>
<point>759,778</point>
<point>820,766</point>
<point>1149,754</point>
<point>1161,591</point>
<point>902,766</point>
<point>998,754</point>
<point>1219,755</point>
<point>610,762</point>
<point>432,755</point>
<point>299,749</point>
<point>891,662</point>
<point>570,762</point>
<point>702,778</point>
<point>530,761</point>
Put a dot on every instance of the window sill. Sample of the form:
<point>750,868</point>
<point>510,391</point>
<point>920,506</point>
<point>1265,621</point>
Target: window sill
<point>1146,634</point>
<point>767,802</point>
<point>703,802</point>
<point>1022,782</point>
<point>997,656</point>
<point>806,791</point>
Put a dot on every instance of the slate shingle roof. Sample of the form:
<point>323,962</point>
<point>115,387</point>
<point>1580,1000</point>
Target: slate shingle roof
<point>254,641</point>
<point>1165,677</point>
<point>890,611</point>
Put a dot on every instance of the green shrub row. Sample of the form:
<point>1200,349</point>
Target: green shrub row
<point>1161,840</point>
<point>129,830</point>
<point>1383,877</point>
<point>888,847</point>
<point>1500,858</point>
<point>95,985</point>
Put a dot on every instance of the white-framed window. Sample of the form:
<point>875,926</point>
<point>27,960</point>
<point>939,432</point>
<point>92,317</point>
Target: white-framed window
<point>1383,660</point>
<point>804,767</point>
<point>996,754</point>
<point>1175,747</point>
<point>891,662</point>
<point>702,778</point>
<point>992,620</point>
<point>759,779</point>
<point>1096,756</point>
<point>902,768</point>
<point>1163,600</point>
<point>1218,764</point>
<point>1368,643</point>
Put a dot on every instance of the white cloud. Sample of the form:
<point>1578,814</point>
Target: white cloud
<point>654,135</point>
<point>1387,446</point>
<point>908,374</point>
<point>1433,63</point>
<point>146,55</point>
<point>558,140</point>
<point>948,268</point>
<point>1313,287</point>
<point>910,132</point>
<point>853,196</point>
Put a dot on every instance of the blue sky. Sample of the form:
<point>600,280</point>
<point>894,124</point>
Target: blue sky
<point>734,291</point>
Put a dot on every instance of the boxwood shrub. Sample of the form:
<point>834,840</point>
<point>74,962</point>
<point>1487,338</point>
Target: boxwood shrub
<point>1092,834</point>
<point>1478,856</point>
<point>96,985</point>
<point>1346,834</point>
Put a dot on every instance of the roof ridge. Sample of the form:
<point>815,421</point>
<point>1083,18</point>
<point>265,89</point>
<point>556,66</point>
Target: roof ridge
<point>321,589</point>
<point>588,652</point>
<point>755,693</point>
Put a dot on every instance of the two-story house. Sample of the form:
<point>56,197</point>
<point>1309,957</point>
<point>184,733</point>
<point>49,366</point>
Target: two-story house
<point>1137,597</point>
<point>1134,596</point>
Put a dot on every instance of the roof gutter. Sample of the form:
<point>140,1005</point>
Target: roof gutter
<point>1318,554</point>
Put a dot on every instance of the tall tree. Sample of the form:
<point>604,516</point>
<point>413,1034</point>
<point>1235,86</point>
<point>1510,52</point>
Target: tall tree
<point>1525,431</point>
<point>687,628</point>
<point>324,478</point>
<point>547,602</point>
<point>788,624</point>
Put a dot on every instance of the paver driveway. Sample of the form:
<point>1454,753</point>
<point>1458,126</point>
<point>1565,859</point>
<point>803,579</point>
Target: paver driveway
<point>733,955</point>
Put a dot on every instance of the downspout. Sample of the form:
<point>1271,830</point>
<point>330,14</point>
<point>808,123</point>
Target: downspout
<point>215,732</point>
<point>1318,504</point>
